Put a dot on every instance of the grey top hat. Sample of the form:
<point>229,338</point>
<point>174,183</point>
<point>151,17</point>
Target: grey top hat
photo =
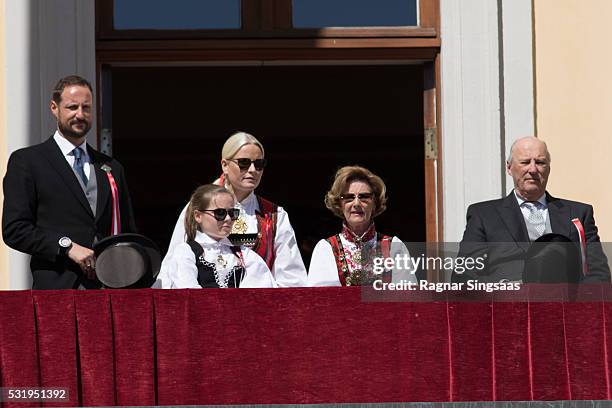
<point>127,261</point>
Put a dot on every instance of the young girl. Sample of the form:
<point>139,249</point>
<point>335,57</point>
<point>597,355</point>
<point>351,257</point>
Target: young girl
<point>207,259</point>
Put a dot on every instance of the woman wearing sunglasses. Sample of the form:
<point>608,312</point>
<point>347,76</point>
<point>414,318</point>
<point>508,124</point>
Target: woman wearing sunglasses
<point>262,225</point>
<point>208,259</point>
<point>354,256</point>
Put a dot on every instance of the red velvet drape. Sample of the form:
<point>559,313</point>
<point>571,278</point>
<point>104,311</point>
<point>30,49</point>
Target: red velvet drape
<point>304,345</point>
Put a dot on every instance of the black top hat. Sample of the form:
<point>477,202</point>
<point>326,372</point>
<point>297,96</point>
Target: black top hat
<point>127,261</point>
<point>553,258</point>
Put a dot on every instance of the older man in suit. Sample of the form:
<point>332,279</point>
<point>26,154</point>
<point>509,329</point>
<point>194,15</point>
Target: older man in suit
<point>500,231</point>
<point>61,196</point>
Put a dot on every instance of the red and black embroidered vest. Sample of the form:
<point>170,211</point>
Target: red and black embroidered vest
<point>382,249</point>
<point>206,270</point>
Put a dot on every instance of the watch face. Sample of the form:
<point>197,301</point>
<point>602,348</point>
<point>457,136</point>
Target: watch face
<point>65,242</point>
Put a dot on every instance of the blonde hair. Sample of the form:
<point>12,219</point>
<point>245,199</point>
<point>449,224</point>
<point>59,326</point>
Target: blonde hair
<point>235,143</point>
<point>344,177</point>
<point>200,199</point>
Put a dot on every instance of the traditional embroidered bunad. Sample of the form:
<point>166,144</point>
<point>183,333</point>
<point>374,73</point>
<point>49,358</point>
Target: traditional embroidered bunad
<point>208,263</point>
<point>346,259</point>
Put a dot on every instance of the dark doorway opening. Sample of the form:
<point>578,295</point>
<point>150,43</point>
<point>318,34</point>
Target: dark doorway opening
<point>169,124</point>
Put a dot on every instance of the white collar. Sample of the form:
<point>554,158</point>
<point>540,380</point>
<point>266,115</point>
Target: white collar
<point>67,147</point>
<point>521,200</point>
<point>205,239</point>
<point>249,201</point>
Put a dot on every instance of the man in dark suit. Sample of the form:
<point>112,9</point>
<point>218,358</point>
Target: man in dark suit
<point>500,231</point>
<point>60,196</point>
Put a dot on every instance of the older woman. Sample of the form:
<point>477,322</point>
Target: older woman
<point>353,257</point>
<point>262,225</point>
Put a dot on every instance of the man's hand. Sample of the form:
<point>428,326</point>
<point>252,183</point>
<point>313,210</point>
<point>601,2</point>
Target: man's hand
<point>85,258</point>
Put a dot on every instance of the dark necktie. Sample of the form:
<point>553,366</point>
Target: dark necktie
<point>78,164</point>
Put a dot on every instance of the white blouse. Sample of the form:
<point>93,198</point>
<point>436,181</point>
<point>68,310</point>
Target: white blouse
<point>323,269</point>
<point>288,269</point>
<point>184,273</point>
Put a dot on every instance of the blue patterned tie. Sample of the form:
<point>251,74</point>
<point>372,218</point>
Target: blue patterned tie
<point>78,164</point>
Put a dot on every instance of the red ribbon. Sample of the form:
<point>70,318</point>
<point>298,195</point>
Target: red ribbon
<point>116,222</point>
<point>580,228</point>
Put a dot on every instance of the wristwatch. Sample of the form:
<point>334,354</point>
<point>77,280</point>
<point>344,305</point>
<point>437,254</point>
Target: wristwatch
<point>65,244</point>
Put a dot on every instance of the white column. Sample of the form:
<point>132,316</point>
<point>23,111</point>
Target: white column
<point>471,133</point>
<point>22,96</point>
<point>487,99</point>
<point>519,87</point>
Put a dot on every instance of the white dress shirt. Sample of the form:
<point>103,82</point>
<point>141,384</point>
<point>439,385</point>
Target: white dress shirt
<point>184,274</point>
<point>542,208</point>
<point>67,150</point>
<point>323,269</point>
<point>288,269</point>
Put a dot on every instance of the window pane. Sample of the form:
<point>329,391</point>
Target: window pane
<point>354,13</point>
<point>176,14</point>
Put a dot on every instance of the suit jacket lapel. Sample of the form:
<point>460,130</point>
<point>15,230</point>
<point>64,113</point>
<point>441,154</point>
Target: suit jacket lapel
<point>58,162</point>
<point>513,218</point>
<point>560,216</point>
<point>103,188</point>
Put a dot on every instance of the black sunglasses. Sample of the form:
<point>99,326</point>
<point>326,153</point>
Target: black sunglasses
<point>365,197</point>
<point>245,164</point>
<point>221,213</point>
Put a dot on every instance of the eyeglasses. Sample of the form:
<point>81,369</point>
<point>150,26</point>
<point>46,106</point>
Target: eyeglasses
<point>221,213</point>
<point>245,163</point>
<point>363,197</point>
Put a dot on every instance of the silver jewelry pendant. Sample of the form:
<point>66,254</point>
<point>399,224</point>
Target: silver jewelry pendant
<point>220,261</point>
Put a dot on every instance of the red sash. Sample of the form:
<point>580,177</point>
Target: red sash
<point>266,227</point>
<point>383,246</point>
<point>116,214</point>
<point>582,236</point>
